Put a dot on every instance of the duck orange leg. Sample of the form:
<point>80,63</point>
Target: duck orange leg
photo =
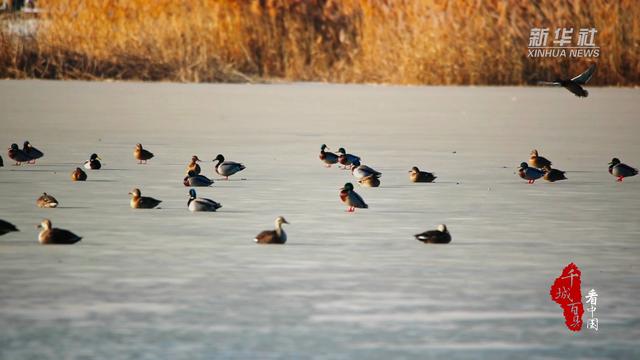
<point>620,178</point>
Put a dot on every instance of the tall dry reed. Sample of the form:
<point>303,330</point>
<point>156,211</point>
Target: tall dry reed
<point>389,41</point>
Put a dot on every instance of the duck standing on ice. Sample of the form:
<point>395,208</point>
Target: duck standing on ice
<point>345,159</point>
<point>193,166</point>
<point>351,198</point>
<point>537,161</point>
<point>17,155</point>
<point>621,170</point>
<point>328,158</point>
<point>141,154</point>
<point>32,152</point>
<point>227,168</point>
<point>201,204</point>
<point>528,173</point>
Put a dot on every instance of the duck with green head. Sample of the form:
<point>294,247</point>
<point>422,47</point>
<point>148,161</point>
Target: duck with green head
<point>351,198</point>
<point>528,173</point>
<point>621,170</point>
<point>93,163</point>
<point>201,204</point>
<point>347,160</point>
<point>327,157</point>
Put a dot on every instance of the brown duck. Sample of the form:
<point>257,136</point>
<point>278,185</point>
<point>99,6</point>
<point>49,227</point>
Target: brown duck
<point>49,235</point>
<point>537,161</point>
<point>277,236</point>
<point>141,154</point>
<point>78,175</point>
<point>416,176</point>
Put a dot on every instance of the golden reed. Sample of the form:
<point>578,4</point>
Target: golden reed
<point>385,41</point>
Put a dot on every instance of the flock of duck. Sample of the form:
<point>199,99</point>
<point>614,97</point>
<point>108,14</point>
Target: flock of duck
<point>537,167</point>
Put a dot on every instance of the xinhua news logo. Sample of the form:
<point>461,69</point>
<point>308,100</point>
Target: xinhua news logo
<point>563,44</point>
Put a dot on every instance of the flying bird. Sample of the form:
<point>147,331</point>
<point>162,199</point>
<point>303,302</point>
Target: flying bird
<point>573,84</point>
<point>347,160</point>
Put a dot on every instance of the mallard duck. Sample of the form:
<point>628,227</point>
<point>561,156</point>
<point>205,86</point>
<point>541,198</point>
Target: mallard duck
<point>574,83</point>
<point>201,204</point>
<point>370,181</point>
<point>7,227</point>
<point>416,176</point>
<point>47,201</point>
<point>142,202</point>
<point>78,175</point>
<point>439,236</point>
<point>93,163</point>
<point>277,236</point>
<point>193,166</point>
<point>553,175</point>
<point>328,158</point>
<point>18,155</point>
<point>361,171</point>
<point>351,198</point>
<point>227,168</point>
<point>538,162</point>
<point>528,173</point>
<point>345,159</point>
<point>49,235</point>
<point>32,152</point>
<point>141,154</point>
<point>621,170</point>
<point>196,180</point>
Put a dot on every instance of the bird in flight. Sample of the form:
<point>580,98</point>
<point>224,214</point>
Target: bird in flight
<point>573,84</point>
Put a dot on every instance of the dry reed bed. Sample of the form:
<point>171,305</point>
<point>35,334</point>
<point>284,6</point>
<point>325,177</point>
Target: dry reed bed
<point>400,41</point>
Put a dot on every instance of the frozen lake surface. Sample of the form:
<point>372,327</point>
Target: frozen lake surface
<point>168,283</point>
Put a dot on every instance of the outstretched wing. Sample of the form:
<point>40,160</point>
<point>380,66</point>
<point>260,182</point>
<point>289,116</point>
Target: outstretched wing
<point>549,83</point>
<point>577,90</point>
<point>585,76</point>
